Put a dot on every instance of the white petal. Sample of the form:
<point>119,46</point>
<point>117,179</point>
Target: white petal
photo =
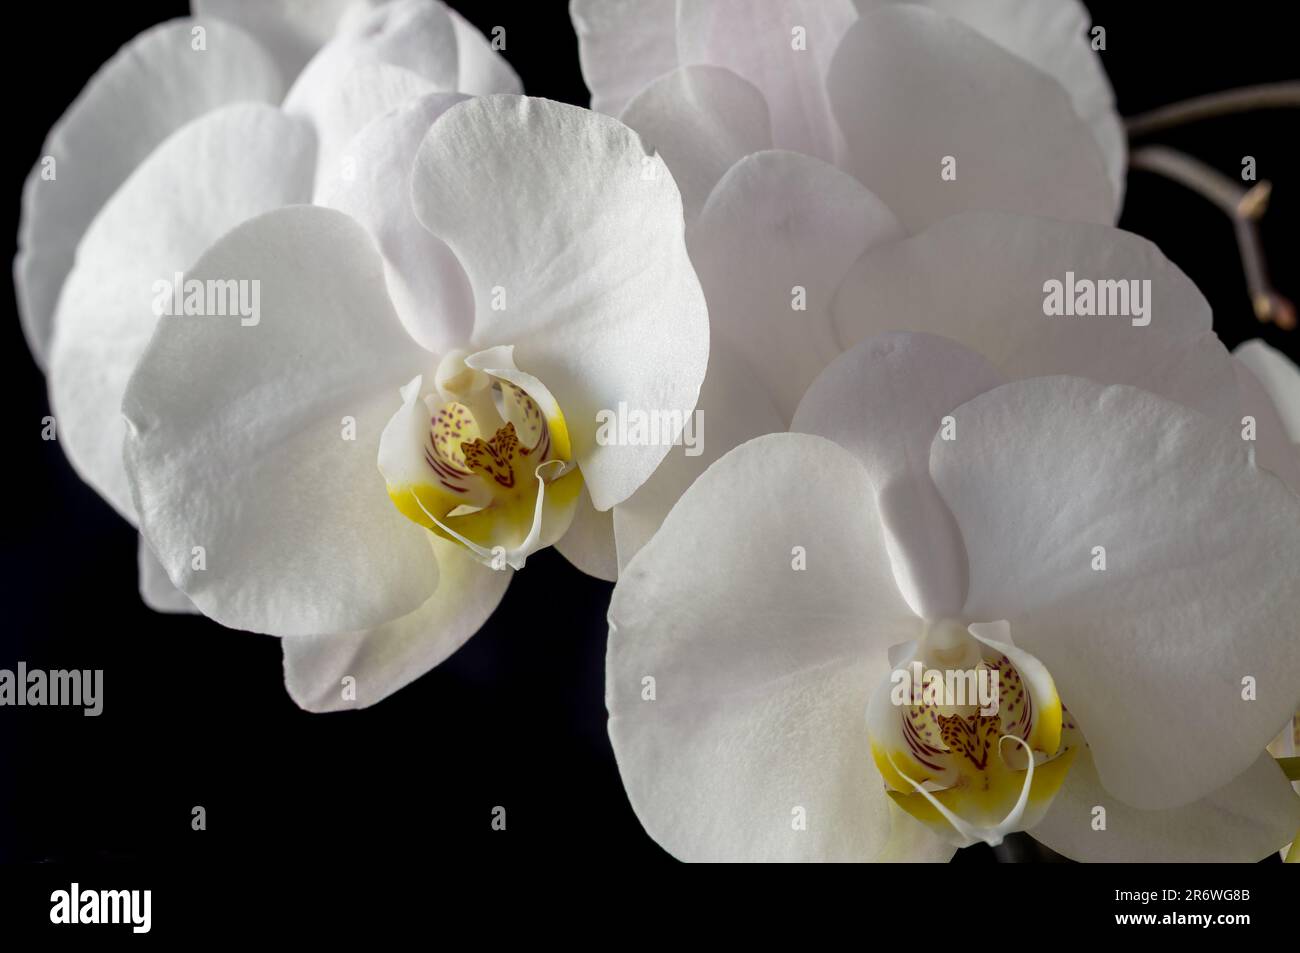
<point>231,164</point>
<point>480,70</point>
<point>589,543</point>
<point>572,240</point>
<point>385,659</point>
<point>394,53</point>
<point>156,590</point>
<point>911,87</point>
<point>911,842</point>
<point>1201,585</point>
<point>1247,819</point>
<point>238,442</point>
<point>347,100</point>
<point>1279,376</point>
<point>884,401</point>
<point>734,406</point>
<point>779,232</point>
<point>290,30</point>
<point>415,35</point>
<point>701,119</point>
<point>428,287</point>
<point>1274,450</point>
<point>1053,35</point>
<point>623,45</point>
<point>979,279</point>
<point>761,671</point>
<point>115,122</point>
<point>784,47</point>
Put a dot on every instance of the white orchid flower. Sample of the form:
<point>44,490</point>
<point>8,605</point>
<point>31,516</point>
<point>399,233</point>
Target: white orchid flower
<point>362,468</point>
<point>776,223</point>
<point>1010,90</point>
<point>193,127</point>
<point>1116,556</point>
<point>807,134</point>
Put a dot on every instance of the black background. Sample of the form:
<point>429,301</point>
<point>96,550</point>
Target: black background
<point>197,715</point>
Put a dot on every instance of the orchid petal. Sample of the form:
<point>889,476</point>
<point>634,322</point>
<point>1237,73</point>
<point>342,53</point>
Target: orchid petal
<point>156,590</point>
<point>414,35</point>
<point>345,102</point>
<point>571,237</point>
<point>774,240</point>
<point>783,47</point>
<point>290,30</point>
<point>231,164</point>
<point>1044,471</point>
<point>428,287</point>
<point>884,401</point>
<point>377,61</point>
<point>480,70</point>
<point>389,657</point>
<point>980,279</point>
<point>1244,821</point>
<point>1274,450</point>
<point>758,670</point>
<point>1279,376</point>
<point>589,543</point>
<point>1053,35</point>
<point>623,45</point>
<point>701,119</point>
<point>734,407</point>
<point>264,452</point>
<point>913,89</point>
<point>116,121</point>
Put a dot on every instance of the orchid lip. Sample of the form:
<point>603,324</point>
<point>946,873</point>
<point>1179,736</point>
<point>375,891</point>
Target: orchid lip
<point>945,760</point>
<point>482,459</point>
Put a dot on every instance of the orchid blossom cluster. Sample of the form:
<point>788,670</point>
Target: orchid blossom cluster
<point>827,226</point>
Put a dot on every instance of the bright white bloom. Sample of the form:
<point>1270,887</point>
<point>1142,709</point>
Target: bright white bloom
<point>884,89</point>
<point>778,222</point>
<point>1118,557</point>
<point>364,466</point>
<point>193,127</point>
<point>808,134</point>
<point>760,672</point>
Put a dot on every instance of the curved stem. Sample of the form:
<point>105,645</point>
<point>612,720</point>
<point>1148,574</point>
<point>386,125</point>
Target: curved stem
<point>1266,96</point>
<point>1243,206</point>
<point>1209,183</point>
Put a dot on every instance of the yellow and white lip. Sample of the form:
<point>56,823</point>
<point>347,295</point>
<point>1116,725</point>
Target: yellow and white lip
<point>482,458</point>
<point>973,777</point>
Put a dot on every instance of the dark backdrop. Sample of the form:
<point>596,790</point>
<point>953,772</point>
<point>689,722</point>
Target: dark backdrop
<point>196,714</point>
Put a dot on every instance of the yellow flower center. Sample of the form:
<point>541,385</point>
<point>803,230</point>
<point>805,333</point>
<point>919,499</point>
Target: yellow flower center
<point>483,460</point>
<point>972,768</point>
